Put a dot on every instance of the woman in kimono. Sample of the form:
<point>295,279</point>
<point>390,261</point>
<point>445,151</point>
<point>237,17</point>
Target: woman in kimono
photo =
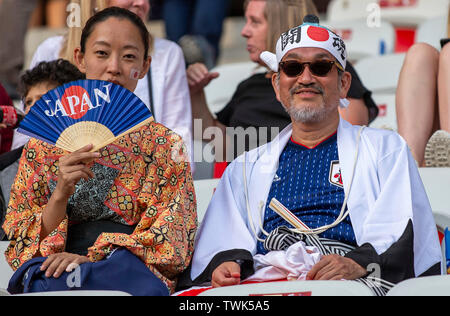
<point>75,208</point>
<point>164,89</point>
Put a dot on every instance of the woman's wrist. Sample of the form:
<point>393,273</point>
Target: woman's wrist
<point>59,196</point>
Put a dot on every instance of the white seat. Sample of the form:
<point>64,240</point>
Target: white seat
<point>77,293</point>
<point>220,90</point>
<point>204,190</point>
<point>344,10</point>
<point>425,286</point>
<point>5,270</point>
<point>437,184</point>
<point>432,31</point>
<point>410,13</point>
<point>293,288</point>
<point>387,116</point>
<point>380,73</point>
<point>364,41</point>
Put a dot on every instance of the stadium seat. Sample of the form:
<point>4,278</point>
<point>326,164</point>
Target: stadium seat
<point>387,116</point>
<point>425,286</point>
<point>293,288</point>
<point>221,89</point>
<point>432,31</point>
<point>204,190</point>
<point>437,182</point>
<point>5,270</point>
<point>408,13</point>
<point>380,73</point>
<point>204,165</point>
<point>363,41</point>
<point>77,293</point>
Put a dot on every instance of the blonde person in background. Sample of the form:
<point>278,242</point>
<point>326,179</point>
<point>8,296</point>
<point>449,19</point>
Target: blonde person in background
<point>254,103</point>
<point>164,89</point>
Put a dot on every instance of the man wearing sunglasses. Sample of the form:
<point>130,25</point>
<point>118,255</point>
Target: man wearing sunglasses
<point>353,192</point>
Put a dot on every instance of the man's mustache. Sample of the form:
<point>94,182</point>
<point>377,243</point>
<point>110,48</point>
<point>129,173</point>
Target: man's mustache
<point>300,87</point>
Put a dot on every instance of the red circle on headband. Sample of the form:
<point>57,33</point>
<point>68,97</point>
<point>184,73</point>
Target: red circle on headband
<point>318,34</point>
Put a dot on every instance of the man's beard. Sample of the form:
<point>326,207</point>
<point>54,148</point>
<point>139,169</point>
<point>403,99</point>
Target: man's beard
<point>307,113</point>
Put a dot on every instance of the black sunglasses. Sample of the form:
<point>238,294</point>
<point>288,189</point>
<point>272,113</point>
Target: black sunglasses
<point>320,68</point>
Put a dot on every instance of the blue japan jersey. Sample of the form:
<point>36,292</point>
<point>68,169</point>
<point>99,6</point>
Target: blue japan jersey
<point>309,184</point>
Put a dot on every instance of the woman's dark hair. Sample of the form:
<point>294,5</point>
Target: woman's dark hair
<point>59,72</point>
<point>115,12</point>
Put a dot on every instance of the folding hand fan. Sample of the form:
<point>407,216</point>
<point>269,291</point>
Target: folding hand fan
<point>85,112</point>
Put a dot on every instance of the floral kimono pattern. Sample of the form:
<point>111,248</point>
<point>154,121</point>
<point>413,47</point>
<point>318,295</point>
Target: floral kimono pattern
<point>148,183</point>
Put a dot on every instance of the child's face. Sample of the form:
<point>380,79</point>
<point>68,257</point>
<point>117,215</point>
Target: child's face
<point>35,93</point>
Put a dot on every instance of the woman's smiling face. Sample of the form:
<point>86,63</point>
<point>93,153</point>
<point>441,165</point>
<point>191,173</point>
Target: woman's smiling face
<point>114,52</point>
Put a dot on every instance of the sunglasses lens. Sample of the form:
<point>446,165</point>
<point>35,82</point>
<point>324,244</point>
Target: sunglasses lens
<point>295,68</point>
<point>321,68</point>
<point>292,69</point>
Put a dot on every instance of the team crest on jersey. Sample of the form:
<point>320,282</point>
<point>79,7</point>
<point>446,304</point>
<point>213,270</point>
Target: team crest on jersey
<point>335,176</point>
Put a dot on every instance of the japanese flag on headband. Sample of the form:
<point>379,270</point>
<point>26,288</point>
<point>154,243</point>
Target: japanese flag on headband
<point>309,34</point>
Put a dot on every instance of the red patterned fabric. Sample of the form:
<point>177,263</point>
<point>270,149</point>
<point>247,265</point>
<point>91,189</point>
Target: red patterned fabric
<point>153,190</point>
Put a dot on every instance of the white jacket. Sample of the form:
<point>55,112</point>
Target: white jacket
<point>386,193</point>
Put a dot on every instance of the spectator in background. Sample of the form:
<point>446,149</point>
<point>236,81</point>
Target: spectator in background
<point>197,26</point>
<point>14,18</point>
<point>322,5</point>
<point>6,133</point>
<point>423,103</point>
<point>33,85</point>
<point>164,89</point>
<point>50,13</point>
<point>254,103</point>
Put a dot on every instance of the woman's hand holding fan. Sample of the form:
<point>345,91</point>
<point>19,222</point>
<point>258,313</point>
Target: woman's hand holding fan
<point>72,168</point>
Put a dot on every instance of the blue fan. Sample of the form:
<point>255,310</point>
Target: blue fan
<point>85,112</point>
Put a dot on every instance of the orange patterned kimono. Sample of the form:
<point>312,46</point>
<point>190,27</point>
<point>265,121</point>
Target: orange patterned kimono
<point>146,181</point>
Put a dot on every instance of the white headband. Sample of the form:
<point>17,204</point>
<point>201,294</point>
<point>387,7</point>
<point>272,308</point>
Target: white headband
<point>309,34</point>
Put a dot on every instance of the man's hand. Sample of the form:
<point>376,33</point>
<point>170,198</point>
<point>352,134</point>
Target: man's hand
<point>335,267</point>
<point>199,77</point>
<point>228,273</point>
<point>56,264</point>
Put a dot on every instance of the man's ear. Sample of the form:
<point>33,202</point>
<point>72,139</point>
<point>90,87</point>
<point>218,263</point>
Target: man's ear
<point>78,57</point>
<point>146,67</point>
<point>346,81</point>
<point>276,85</point>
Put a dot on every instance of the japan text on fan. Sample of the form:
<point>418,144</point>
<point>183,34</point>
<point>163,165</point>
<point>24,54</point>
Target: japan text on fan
<point>85,112</point>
